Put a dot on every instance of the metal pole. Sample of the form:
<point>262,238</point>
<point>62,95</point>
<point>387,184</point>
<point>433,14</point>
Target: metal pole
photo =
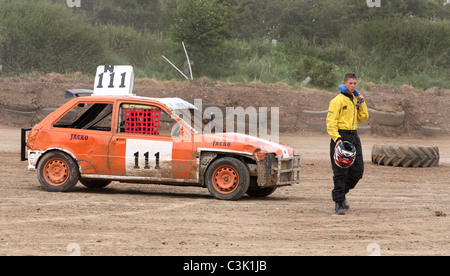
<point>189,62</point>
<point>175,67</point>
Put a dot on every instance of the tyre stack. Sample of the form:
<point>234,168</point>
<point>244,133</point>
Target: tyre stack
<point>316,120</point>
<point>18,114</point>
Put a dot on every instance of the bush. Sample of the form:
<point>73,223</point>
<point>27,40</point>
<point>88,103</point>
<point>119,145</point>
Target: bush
<point>47,38</point>
<point>321,73</point>
<point>200,24</point>
<point>137,48</point>
<point>403,49</point>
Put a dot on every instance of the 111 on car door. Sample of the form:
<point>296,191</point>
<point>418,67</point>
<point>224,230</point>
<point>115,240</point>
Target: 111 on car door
<point>143,148</point>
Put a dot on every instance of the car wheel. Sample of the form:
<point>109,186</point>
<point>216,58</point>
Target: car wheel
<point>58,172</point>
<point>227,178</point>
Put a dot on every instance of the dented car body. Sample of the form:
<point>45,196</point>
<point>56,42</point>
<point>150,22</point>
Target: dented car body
<point>99,139</point>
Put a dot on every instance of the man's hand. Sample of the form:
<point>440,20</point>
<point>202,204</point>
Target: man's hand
<point>360,97</point>
<point>338,142</point>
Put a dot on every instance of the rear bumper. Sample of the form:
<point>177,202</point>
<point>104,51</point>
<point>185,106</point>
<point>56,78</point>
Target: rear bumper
<point>23,143</point>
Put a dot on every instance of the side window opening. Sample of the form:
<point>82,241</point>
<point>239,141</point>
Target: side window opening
<point>88,116</point>
<point>144,119</point>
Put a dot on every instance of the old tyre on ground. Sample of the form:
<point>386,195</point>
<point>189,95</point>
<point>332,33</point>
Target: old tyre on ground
<point>94,184</point>
<point>430,131</point>
<point>17,117</point>
<point>227,178</point>
<point>387,118</point>
<point>405,156</point>
<point>310,113</point>
<point>57,172</point>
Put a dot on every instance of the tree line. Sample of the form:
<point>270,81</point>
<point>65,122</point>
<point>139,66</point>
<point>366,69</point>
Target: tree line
<point>271,19</point>
<point>401,40</point>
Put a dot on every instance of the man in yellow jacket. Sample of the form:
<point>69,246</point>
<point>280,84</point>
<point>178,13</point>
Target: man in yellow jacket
<point>345,111</point>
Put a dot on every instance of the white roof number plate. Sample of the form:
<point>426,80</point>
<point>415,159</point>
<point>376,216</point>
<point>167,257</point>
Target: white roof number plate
<point>114,81</point>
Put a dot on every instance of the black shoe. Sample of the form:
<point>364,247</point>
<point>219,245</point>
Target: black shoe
<point>345,204</point>
<point>339,209</point>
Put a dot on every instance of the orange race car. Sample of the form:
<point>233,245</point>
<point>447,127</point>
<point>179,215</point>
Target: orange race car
<point>97,139</point>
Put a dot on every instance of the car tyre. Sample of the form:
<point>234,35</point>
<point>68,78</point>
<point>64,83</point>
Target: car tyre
<point>227,178</point>
<point>94,184</point>
<point>58,172</point>
<point>261,192</point>
<point>405,156</point>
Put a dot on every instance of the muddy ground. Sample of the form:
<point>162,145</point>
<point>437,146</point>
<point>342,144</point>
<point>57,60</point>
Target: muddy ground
<point>394,211</point>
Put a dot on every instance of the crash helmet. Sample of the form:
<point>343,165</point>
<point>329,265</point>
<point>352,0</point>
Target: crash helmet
<point>345,154</point>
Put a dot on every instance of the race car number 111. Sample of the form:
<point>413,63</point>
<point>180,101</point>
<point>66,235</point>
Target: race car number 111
<point>149,158</point>
<point>114,81</point>
<point>146,166</point>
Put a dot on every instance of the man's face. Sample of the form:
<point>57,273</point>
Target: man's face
<point>351,84</point>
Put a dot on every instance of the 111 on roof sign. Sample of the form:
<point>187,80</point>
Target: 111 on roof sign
<point>114,81</point>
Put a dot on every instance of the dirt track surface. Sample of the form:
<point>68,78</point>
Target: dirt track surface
<point>394,211</point>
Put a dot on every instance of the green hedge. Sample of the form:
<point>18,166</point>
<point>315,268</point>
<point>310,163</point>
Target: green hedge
<point>408,49</point>
<point>47,38</point>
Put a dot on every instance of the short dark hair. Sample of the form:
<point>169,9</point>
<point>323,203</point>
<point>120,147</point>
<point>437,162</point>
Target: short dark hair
<point>350,76</point>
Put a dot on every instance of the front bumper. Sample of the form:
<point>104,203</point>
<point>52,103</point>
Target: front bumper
<point>287,170</point>
<point>277,171</point>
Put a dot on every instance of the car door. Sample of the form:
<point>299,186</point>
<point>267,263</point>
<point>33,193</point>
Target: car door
<point>143,148</point>
<point>85,131</point>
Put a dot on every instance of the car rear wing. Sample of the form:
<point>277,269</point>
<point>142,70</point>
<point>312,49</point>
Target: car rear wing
<point>75,93</point>
<point>23,143</point>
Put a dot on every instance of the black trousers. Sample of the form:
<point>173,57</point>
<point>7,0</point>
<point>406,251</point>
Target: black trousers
<point>346,179</point>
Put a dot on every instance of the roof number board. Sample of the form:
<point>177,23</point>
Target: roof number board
<point>114,81</point>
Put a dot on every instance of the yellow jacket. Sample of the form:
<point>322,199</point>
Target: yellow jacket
<point>343,114</point>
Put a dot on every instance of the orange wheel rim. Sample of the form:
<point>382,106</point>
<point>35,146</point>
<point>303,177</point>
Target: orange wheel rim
<point>56,172</point>
<point>225,179</point>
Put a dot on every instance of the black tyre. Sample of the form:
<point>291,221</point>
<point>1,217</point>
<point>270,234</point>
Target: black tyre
<point>227,178</point>
<point>387,118</point>
<point>405,156</point>
<point>57,172</point>
<point>16,117</point>
<point>261,192</point>
<point>94,184</point>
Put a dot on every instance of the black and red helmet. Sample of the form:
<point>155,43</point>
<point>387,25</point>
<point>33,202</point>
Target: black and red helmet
<point>345,154</point>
